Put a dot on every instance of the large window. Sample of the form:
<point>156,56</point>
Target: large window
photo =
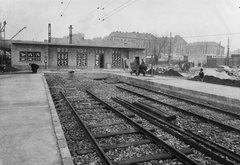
<point>62,56</point>
<point>82,57</point>
<point>29,56</point>
<point>116,58</point>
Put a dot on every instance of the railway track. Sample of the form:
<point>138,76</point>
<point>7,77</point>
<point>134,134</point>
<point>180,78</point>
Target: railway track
<point>118,135</point>
<point>121,125</point>
<point>199,124</point>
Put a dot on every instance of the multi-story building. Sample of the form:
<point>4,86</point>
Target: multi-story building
<point>201,52</point>
<point>200,48</point>
<point>154,46</point>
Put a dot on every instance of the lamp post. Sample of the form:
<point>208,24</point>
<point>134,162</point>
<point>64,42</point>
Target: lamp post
<point>45,61</point>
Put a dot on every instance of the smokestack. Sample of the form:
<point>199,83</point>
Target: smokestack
<point>70,34</point>
<point>0,31</point>
<point>49,33</point>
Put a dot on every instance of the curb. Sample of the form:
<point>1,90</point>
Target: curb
<point>61,141</point>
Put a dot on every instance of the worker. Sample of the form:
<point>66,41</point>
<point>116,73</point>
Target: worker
<point>34,67</point>
<point>201,74</point>
<point>3,67</point>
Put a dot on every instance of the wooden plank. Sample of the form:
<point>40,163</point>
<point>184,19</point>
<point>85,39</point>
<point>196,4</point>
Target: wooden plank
<point>146,158</point>
<point>155,111</point>
<point>108,124</point>
<point>87,151</point>
<point>122,145</point>
<point>120,133</point>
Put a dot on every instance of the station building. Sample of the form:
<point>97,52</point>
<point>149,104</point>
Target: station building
<point>85,54</point>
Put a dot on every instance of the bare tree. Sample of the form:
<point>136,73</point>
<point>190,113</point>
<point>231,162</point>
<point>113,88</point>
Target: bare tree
<point>157,45</point>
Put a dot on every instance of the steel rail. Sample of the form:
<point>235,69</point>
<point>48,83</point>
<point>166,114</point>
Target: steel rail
<point>234,115</point>
<point>186,138</point>
<point>182,157</point>
<point>196,137</point>
<point>99,150</point>
<point>226,127</point>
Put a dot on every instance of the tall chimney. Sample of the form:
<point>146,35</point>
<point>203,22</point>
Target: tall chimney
<point>49,33</point>
<point>0,31</point>
<point>70,34</point>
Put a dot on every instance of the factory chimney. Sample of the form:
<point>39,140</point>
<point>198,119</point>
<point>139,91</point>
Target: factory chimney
<point>70,34</point>
<point>49,33</point>
<point>0,31</point>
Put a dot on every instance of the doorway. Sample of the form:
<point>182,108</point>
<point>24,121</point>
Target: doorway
<point>101,61</point>
<point>137,59</point>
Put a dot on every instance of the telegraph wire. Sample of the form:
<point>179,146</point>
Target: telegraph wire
<point>62,13</point>
<point>210,35</point>
<point>120,9</point>
<point>65,8</point>
<point>116,8</point>
<point>97,9</point>
<point>110,14</point>
<point>57,11</point>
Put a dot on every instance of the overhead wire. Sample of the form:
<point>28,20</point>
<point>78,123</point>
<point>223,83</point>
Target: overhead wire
<point>120,10</point>
<point>57,12</point>
<point>62,13</point>
<point>116,8</point>
<point>97,9</point>
<point>211,35</point>
<point>110,14</point>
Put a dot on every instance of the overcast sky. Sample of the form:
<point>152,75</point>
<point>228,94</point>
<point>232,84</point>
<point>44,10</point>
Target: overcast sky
<point>216,20</point>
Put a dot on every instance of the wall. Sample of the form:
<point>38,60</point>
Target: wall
<point>24,65</point>
<point>50,51</point>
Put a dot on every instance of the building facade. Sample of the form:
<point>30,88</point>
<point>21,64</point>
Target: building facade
<point>85,55</point>
<point>199,48</point>
<point>163,47</point>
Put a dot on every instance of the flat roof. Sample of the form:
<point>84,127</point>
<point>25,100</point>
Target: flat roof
<point>86,43</point>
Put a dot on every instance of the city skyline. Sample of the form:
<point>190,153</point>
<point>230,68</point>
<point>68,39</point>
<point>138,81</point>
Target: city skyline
<point>195,21</point>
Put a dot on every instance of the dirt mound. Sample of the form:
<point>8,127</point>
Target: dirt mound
<point>215,80</point>
<point>169,72</point>
<point>172,72</point>
<point>11,69</point>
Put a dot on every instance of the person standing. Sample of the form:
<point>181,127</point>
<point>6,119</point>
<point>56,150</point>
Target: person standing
<point>201,74</point>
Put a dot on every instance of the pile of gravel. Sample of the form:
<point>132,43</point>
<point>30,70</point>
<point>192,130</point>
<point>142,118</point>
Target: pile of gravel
<point>172,72</point>
<point>215,80</point>
<point>169,72</point>
<point>11,69</point>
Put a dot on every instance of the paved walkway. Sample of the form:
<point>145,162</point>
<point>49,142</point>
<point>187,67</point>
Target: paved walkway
<point>27,135</point>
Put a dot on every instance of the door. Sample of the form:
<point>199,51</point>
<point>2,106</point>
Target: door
<point>137,59</point>
<point>101,61</point>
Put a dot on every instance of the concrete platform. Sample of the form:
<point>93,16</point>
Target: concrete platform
<point>222,96</point>
<point>27,132</point>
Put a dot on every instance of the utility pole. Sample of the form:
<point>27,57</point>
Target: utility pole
<point>3,30</point>
<point>170,49</point>
<point>227,62</point>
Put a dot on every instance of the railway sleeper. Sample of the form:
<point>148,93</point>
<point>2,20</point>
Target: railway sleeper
<point>146,158</point>
<point>132,131</point>
<point>109,124</point>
